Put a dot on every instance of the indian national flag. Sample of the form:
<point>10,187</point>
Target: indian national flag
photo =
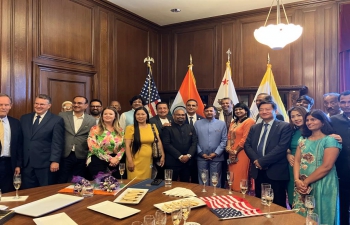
<point>268,85</point>
<point>188,90</point>
<point>226,89</point>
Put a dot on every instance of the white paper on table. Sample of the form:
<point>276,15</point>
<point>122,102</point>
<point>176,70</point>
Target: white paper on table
<point>3,207</point>
<point>180,192</point>
<point>12,199</point>
<point>57,219</point>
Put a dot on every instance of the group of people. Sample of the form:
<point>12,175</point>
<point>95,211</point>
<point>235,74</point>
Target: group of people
<point>308,155</point>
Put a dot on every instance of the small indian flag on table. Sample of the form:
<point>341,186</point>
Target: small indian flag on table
<point>228,206</point>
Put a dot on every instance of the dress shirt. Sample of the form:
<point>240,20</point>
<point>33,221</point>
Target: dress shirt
<point>41,117</point>
<point>7,138</point>
<point>194,118</point>
<point>267,134</point>
<point>126,119</point>
<point>341,112</point>
<point>163,121</point>
<point>212,137</point>
<point>78,121</point>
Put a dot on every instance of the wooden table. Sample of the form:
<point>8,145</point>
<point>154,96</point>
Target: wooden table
<point>81,215</point>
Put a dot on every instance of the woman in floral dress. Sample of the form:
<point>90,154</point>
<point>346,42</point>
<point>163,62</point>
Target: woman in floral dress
<point>314,168</point>
<point>106,144</point>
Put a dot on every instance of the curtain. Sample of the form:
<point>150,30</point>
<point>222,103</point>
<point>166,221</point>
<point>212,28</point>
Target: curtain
<point>344,47</point>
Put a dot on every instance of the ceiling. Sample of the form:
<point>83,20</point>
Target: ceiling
<point>158,11</point>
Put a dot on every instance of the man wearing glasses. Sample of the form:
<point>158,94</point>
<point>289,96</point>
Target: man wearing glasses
<point>96,109</point>
<point>265,97</point>
<point>43,141</point>
<point>331,104</point>
<point>77,126</point>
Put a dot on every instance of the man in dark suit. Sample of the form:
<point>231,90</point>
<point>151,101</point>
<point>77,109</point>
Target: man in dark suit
<point>266,147</point>
<point>77,126</point>
<point>43,141</point>
<point>265,97</point>
<point>180,146</point>
<point>191,118</point>
<point>161,120</point>
<point>11,151</point>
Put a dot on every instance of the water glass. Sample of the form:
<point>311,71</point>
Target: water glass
<point>229,177</point>
<point>121,171</point>
<point>204,177</point>
<point>214,181</point>
<point>309,203</point>
<point>87,191</point>
<point>168,177</point>
<point>176,216</point>
<point>269,199</point>
<point>244,186</point>
<point>263,187</point>
<point>160,217</point>
<point>149,220</point>
<point>17,181</point>
<point>312,219</point>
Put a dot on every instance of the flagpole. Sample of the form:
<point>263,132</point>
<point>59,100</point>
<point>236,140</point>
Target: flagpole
<point>149,60</point>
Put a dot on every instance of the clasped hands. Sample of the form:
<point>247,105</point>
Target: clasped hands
<point>211,156</point>
<point>257,165</point>
<point>114,161</point>
<point>233,153</point>
<point>302,187</point>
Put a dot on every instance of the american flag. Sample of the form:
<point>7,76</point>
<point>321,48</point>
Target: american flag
<point>227,206</point>
<point>149,92</point>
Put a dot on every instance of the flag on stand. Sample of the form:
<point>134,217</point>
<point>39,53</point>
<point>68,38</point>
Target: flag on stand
<point>226,89</point>
<point>188,90</point>
<point>268,85</point>
<point>149,92</point>
<point>228,206</point>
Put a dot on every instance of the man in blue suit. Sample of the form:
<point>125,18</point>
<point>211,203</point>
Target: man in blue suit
<point>11,145</point>
<point>43,143</point>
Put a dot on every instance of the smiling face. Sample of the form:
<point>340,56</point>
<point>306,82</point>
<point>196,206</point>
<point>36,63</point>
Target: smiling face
<point>141,116</point>
<point>5,106</point>
<point>240,112</point>
<point>266,112</point>
<point>108,116</point>
<point>296,118</point>
<point>136,104</point>
<point>162,110</point>
<point>179,116</point>
<point>313,123</point>
<point>95,108</point>
<point>226,105</point>
<point>41,106</point>
<point>79,104</point>
<point>191,107</point>
<point>209,113</point>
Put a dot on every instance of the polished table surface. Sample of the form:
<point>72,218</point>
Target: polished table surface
<point>81,215</point>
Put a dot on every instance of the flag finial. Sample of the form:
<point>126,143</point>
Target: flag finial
<point>228,55</point>
<point>190,59</point>
<point>268,58</point>
<point>148,60</point>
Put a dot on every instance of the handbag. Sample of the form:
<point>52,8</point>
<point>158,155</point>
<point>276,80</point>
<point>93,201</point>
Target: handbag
<point>156,153</point>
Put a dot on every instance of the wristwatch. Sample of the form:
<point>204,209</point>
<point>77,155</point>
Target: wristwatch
<point>189,155</point>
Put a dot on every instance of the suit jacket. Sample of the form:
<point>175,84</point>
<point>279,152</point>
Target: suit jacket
<point>179,140</point>
<point>16,143</point>
<point>156,120</point>
<point>79,139</point>
<point>198,118</point>
<point>277,143</point>
<point>45,144</point>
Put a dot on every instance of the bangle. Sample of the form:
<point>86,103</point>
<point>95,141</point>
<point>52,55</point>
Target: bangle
<point>296,180</point>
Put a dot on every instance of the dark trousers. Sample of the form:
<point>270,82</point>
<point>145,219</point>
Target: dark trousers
<point>36,177</point>
<point>224,171</point>
<point>279,188</point>
<point>97,165</point>
<point>344,197</point>
<point>71,166</point>
<point>181,172</point>
<point>6,175</point>
<point>194,170</point>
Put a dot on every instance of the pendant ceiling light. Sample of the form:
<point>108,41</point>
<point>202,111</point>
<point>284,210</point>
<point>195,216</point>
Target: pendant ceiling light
<point>279,35</point>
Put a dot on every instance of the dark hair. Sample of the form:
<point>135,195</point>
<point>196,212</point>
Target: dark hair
<point>101,123</point>
<point>136,145</point>
<point>300,109</point>
<point>162,103</point>
<point>137,97</point>
<point>86,100</point>
<point>179,107</point>
<point>326,129</point>
<point>267,97</point>
<point>307,98</point>
<point>347,92</point>
<point>274,106</point>
<point>226,98</point>
<point>210,106</point>
<point>243,106</point>
<point>44,96</point>
<point>96,100</point>
<point>193,100</point>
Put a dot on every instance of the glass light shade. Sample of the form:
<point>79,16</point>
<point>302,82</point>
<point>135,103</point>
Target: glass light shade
<point>278,36</point>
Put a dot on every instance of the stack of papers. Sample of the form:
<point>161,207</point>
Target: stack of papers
<point>180,192</point>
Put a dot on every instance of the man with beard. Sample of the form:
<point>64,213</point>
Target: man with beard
<point>331,104</point>
<point>96,109</point>
<point>212,137</point>
<point>77,126</point>
<point>305,101</point>
<point>116,105</point>
<point>179,142</point>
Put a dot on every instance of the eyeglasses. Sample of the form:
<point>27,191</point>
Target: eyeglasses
<point>95,106</point>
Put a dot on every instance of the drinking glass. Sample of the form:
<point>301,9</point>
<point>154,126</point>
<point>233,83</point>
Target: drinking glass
<point>176,216</point>
<point>121,171</point>
<point>312,219</point>
<point>214,181</point>
<point>229,177</point>
<point>168,177</point>
<point>186,209</point>
<point>244,186</point>
<point>17,183</point>
<point>160,217</point>
<point>204,176</point>
<point>149,220</point>
<point>309,203</point>
<point>263,187</point>
<point>137,223</point>
<point>87,190</point>
<point>269,199</point>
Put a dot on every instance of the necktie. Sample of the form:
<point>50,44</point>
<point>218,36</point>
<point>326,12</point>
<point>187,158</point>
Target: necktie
<point>36,123</point>
<point>262,141</point>
<point>1,134</point>
<point>191,120</point>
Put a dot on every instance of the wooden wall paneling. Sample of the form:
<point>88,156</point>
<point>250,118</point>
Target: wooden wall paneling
<point>219,59</point>
<point>54,81</point>
<point>67,31</point>
<point>166,74</point>
<point>153,49</point>
<point>296,69</point>
<point>131,47</point>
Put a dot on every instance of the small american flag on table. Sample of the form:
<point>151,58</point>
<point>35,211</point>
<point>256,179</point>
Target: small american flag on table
<point>228,206</point>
